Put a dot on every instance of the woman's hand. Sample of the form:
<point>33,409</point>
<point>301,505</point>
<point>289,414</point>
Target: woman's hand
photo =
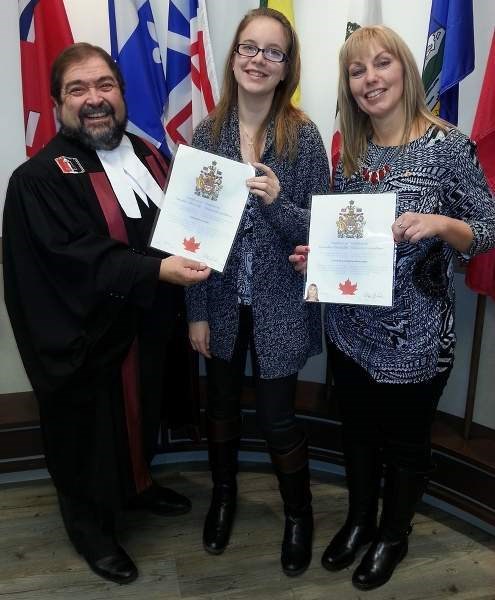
<point>266,186</point>
<point>412,227</point>
<point>199,336</point>
<point>299,259</point>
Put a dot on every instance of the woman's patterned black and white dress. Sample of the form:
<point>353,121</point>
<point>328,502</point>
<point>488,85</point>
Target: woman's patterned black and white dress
<point>415,338</point>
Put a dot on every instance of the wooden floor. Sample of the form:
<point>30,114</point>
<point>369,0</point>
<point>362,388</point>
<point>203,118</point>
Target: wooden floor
<point>447,558</point>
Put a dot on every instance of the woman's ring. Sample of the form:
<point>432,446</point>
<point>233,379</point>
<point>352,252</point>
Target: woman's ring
<point>400,225</point>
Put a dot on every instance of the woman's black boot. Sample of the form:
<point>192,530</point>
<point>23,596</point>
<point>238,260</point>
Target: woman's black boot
<point>403,490</point>
<point>292,471</point>
<point>223,448</point>
<point>363,474</point>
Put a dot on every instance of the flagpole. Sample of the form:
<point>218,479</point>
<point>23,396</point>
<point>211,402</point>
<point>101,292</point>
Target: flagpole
<point>479,321</point>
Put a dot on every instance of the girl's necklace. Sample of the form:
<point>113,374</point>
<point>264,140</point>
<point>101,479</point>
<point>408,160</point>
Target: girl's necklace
<point>249,139</point>
<point>249,142</point>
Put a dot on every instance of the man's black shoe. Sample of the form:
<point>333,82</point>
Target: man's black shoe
<point>117,566</point>
<point>92,531</point>
<point>161,501</point>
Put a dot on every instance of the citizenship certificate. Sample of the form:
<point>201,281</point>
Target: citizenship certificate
<point>352,250</point>
<point>203,205</point>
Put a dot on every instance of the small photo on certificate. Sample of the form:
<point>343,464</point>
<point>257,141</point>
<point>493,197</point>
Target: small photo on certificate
<point>202,208</point>
<point>352,250</point>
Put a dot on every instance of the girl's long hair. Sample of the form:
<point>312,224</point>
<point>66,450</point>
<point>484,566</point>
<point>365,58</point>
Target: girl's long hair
<point>286,116</point>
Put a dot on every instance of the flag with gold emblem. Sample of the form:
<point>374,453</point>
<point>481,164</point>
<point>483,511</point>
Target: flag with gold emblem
<point>286,8</point>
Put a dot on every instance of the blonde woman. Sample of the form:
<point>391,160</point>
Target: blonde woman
<point>390,365</point>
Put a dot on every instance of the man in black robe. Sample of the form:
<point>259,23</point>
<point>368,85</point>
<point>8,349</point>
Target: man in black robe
<point>91,305</point>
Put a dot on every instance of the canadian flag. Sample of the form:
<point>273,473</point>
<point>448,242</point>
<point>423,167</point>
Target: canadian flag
<point>44,33</point>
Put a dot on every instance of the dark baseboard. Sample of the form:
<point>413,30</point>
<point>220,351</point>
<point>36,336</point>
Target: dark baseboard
<point>464,478</point>
<point>18,410</point>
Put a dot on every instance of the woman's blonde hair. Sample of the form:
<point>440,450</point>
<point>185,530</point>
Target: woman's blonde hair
<point>355,124</point>
<point>286,116</point>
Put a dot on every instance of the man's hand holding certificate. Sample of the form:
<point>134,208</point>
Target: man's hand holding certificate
<point>203,206</point>
<point>352,254</point>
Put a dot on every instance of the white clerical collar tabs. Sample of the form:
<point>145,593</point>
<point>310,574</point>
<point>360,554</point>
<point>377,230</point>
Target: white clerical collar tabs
<point>127,175</point>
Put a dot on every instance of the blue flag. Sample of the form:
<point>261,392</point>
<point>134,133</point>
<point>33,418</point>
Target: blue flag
<point>449,55</point>
<point>135,47</point>
<point>164,51</point>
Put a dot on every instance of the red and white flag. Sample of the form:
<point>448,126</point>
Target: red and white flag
<point>44,33</point>
<point>361,13</point>
<point>480,275</point>
<point>164,51</point>
<point>190,70</point>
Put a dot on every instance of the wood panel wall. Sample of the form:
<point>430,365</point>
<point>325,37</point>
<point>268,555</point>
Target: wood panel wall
<point>465,475</point>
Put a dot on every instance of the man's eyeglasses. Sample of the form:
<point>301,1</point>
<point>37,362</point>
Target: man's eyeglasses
<point>77,90</point>
<point>271,54</point>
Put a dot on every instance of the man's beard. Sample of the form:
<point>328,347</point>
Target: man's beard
<point>97,138</point>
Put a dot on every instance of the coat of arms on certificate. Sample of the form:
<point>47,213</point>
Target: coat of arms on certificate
<point>203,206</point>
<point>351,221</point>
<point>209,182</point>
<point>352,261</point>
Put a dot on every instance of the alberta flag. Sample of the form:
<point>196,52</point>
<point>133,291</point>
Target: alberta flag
<point>44,33</point>
<point>163,49</point>
<point>449,55</point>
<point>361,13</point>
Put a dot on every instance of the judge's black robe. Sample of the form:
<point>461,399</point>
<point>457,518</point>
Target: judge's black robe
<point>90,317</point>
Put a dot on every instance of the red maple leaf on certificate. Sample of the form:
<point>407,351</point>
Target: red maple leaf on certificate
<point>347,288</point>
<point>191,245</point>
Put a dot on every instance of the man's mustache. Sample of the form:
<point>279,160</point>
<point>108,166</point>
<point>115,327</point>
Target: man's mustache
<point>104,110</point>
